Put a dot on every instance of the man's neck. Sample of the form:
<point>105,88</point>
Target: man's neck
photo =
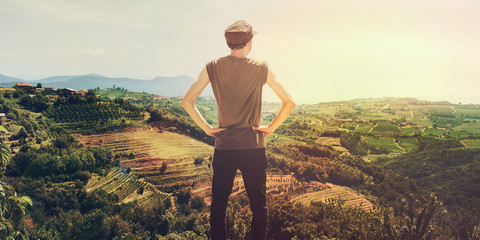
<point>239,53</point>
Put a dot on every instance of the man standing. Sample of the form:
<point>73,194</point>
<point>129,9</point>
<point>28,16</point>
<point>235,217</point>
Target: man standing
<point>237,83</point>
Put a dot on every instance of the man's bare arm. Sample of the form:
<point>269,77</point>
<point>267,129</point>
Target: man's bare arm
<point>188,103</point>
<point>287,106</point>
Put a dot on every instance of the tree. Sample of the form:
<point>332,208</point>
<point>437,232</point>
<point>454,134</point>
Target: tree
<point>198,160</point>
<point>354,143</point>
<point>415,222</point>
<point>164,167</point>
<point>12,207</point>
<point>103,156</point>
<point>7,94</point>
<point>281,218</point>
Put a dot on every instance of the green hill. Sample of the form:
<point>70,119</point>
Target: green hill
<point>140,168</point>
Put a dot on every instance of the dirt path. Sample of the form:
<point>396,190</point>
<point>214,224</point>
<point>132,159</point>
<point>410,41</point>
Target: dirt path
<point>398,145</point>
<point>372,128</point>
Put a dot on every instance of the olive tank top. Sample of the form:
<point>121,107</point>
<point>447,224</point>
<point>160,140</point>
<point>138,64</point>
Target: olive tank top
<point>237,85</point>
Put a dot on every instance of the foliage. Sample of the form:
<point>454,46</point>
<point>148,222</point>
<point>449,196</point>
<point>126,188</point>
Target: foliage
<point>354,143</point>
<point>455,168</point>
<point>237,221</point>
<point>415,222</point>
<point>36,163</point>
<point>37,103</point>
<point>12,206</point>
<point>180,123</point>
<point>198,160</point>
<point>53,170</point>
<point>4,157</point>
<point>95,117</point>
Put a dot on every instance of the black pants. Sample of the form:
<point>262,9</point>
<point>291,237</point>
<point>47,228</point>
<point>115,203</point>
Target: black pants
<point>252,163</point>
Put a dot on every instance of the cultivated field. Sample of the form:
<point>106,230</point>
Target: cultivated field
<point>471,127</point>
<point>385,128</point>
<point>128,188</point>
<point>166,160</point>
<point>411,130</point>
<point>387,143</point>
<point>351,198</point>
<point>434,132</point>
<point>472,143</point>
<point>275,184</point>
<point>333,142</point>
<point>409,144</point>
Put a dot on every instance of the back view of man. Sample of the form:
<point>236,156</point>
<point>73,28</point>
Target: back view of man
<point>237,83</point>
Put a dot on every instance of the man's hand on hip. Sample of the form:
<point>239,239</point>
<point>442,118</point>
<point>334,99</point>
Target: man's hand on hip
<point>267,130</point>
<point>214,130</point>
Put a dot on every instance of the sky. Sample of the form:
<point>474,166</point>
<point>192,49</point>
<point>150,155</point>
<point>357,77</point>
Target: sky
<point>320,50</point>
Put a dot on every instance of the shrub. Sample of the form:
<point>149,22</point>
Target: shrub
<point>198,160</point>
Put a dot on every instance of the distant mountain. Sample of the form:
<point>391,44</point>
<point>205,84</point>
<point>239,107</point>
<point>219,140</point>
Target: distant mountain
<point>57,79</point>
<point>165,86</point>
<point>4,79</point>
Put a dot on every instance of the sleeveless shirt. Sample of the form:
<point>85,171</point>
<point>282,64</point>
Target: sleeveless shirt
<point>237,85</point>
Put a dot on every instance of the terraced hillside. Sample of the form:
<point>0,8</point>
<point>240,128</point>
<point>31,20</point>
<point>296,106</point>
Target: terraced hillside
<point>330,191</point>
<point>164,159</point>
<point>168,161</point>
<point>333,142</point>
<point>95,117</point>
<point>128,188</point>
<point>275,183</point>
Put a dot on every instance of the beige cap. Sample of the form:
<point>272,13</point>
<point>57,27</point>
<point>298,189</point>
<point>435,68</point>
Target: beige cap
<point>239,32</point>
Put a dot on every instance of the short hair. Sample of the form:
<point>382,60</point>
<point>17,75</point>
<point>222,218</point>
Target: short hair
<point>237,46</point>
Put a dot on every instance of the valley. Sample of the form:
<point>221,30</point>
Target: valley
<point>169,161</point>
<point>124,160</point>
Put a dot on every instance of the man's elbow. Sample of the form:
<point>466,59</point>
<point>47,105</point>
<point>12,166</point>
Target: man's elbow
<point>290,103</point>
<point>186,102</point>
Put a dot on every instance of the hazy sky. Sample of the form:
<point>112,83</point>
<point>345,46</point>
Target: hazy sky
<point>321,50</point>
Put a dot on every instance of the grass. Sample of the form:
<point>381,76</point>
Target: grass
<point>473,143</point>
<point>386,127</point>
<point>411,130</point>
<point>473,126</point>
<point>459,134</point>
<point>468,110</point>
<point>421,122</point>
<point>409,144</point>
<point>434,132</point>
<point>387,143</point>
<point>350,125</point>
<point>363,127</point>
<point>405,114</point>
<point>375,115</point>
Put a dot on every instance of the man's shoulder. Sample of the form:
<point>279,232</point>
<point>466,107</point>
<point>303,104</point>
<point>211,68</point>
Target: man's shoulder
<point>227,59</point>
<point>257,62</point>
<point>218,60</point>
